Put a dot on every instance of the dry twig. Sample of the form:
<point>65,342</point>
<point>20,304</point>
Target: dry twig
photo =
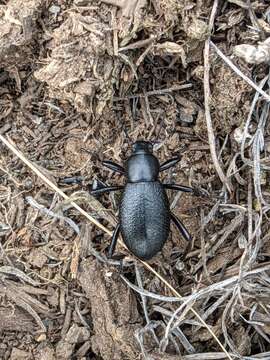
<point>211,136</point>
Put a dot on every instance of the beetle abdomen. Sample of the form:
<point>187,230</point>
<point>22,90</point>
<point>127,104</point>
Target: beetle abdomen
<point>144,218</point>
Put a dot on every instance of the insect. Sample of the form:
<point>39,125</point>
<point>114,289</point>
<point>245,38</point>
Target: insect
<point>144,216</point>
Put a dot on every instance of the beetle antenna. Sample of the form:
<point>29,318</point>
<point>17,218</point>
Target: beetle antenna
<point>127,136</point>
<point>123,127</point>
<point>159,131</point>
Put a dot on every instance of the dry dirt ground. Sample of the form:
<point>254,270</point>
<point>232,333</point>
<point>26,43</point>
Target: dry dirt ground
<point>79,82</point>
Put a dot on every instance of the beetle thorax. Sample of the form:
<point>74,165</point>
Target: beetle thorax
<point>142,168</point>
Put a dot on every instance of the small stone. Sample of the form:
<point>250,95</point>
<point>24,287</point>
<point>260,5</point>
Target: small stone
<point>55,10</point>
<point>179,265</point>
<point>238,135</point>
<point>41,337</point>
<point>28,184</point>
<point>186,116</point>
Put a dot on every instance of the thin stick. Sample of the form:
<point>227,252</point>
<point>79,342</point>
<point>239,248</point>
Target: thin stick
<point>211,135</point>
<point>51,184</point>
<point>155,92</point>
<point>94,221</point>
<point>239,72</point>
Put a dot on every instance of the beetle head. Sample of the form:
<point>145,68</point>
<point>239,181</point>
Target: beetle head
<point>142,165</point>
<point>142,147</point>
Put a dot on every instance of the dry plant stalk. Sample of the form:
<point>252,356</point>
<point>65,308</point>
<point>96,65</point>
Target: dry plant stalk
<point>211,135</point>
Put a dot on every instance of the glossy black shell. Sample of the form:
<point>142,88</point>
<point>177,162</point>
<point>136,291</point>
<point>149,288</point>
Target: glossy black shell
<point>144,218</point>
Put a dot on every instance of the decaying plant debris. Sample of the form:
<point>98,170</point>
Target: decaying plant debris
<point>80,80</point>
<point>115,322</point>
<point>18,23</point>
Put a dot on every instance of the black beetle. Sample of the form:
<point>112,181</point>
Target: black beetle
<point>144,218</point>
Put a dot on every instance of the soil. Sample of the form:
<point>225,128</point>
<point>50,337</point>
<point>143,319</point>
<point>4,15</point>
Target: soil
<point>79,82</point>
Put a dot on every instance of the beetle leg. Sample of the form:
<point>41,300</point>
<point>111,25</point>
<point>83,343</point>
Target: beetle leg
<point>71,180</point>
<point>181,227</point>
<point>113,166</point>
<point>106,189</point>
<point>169,163</point>
<point>178,187</point>
<point>99,187</point>
<point>114,241</point>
